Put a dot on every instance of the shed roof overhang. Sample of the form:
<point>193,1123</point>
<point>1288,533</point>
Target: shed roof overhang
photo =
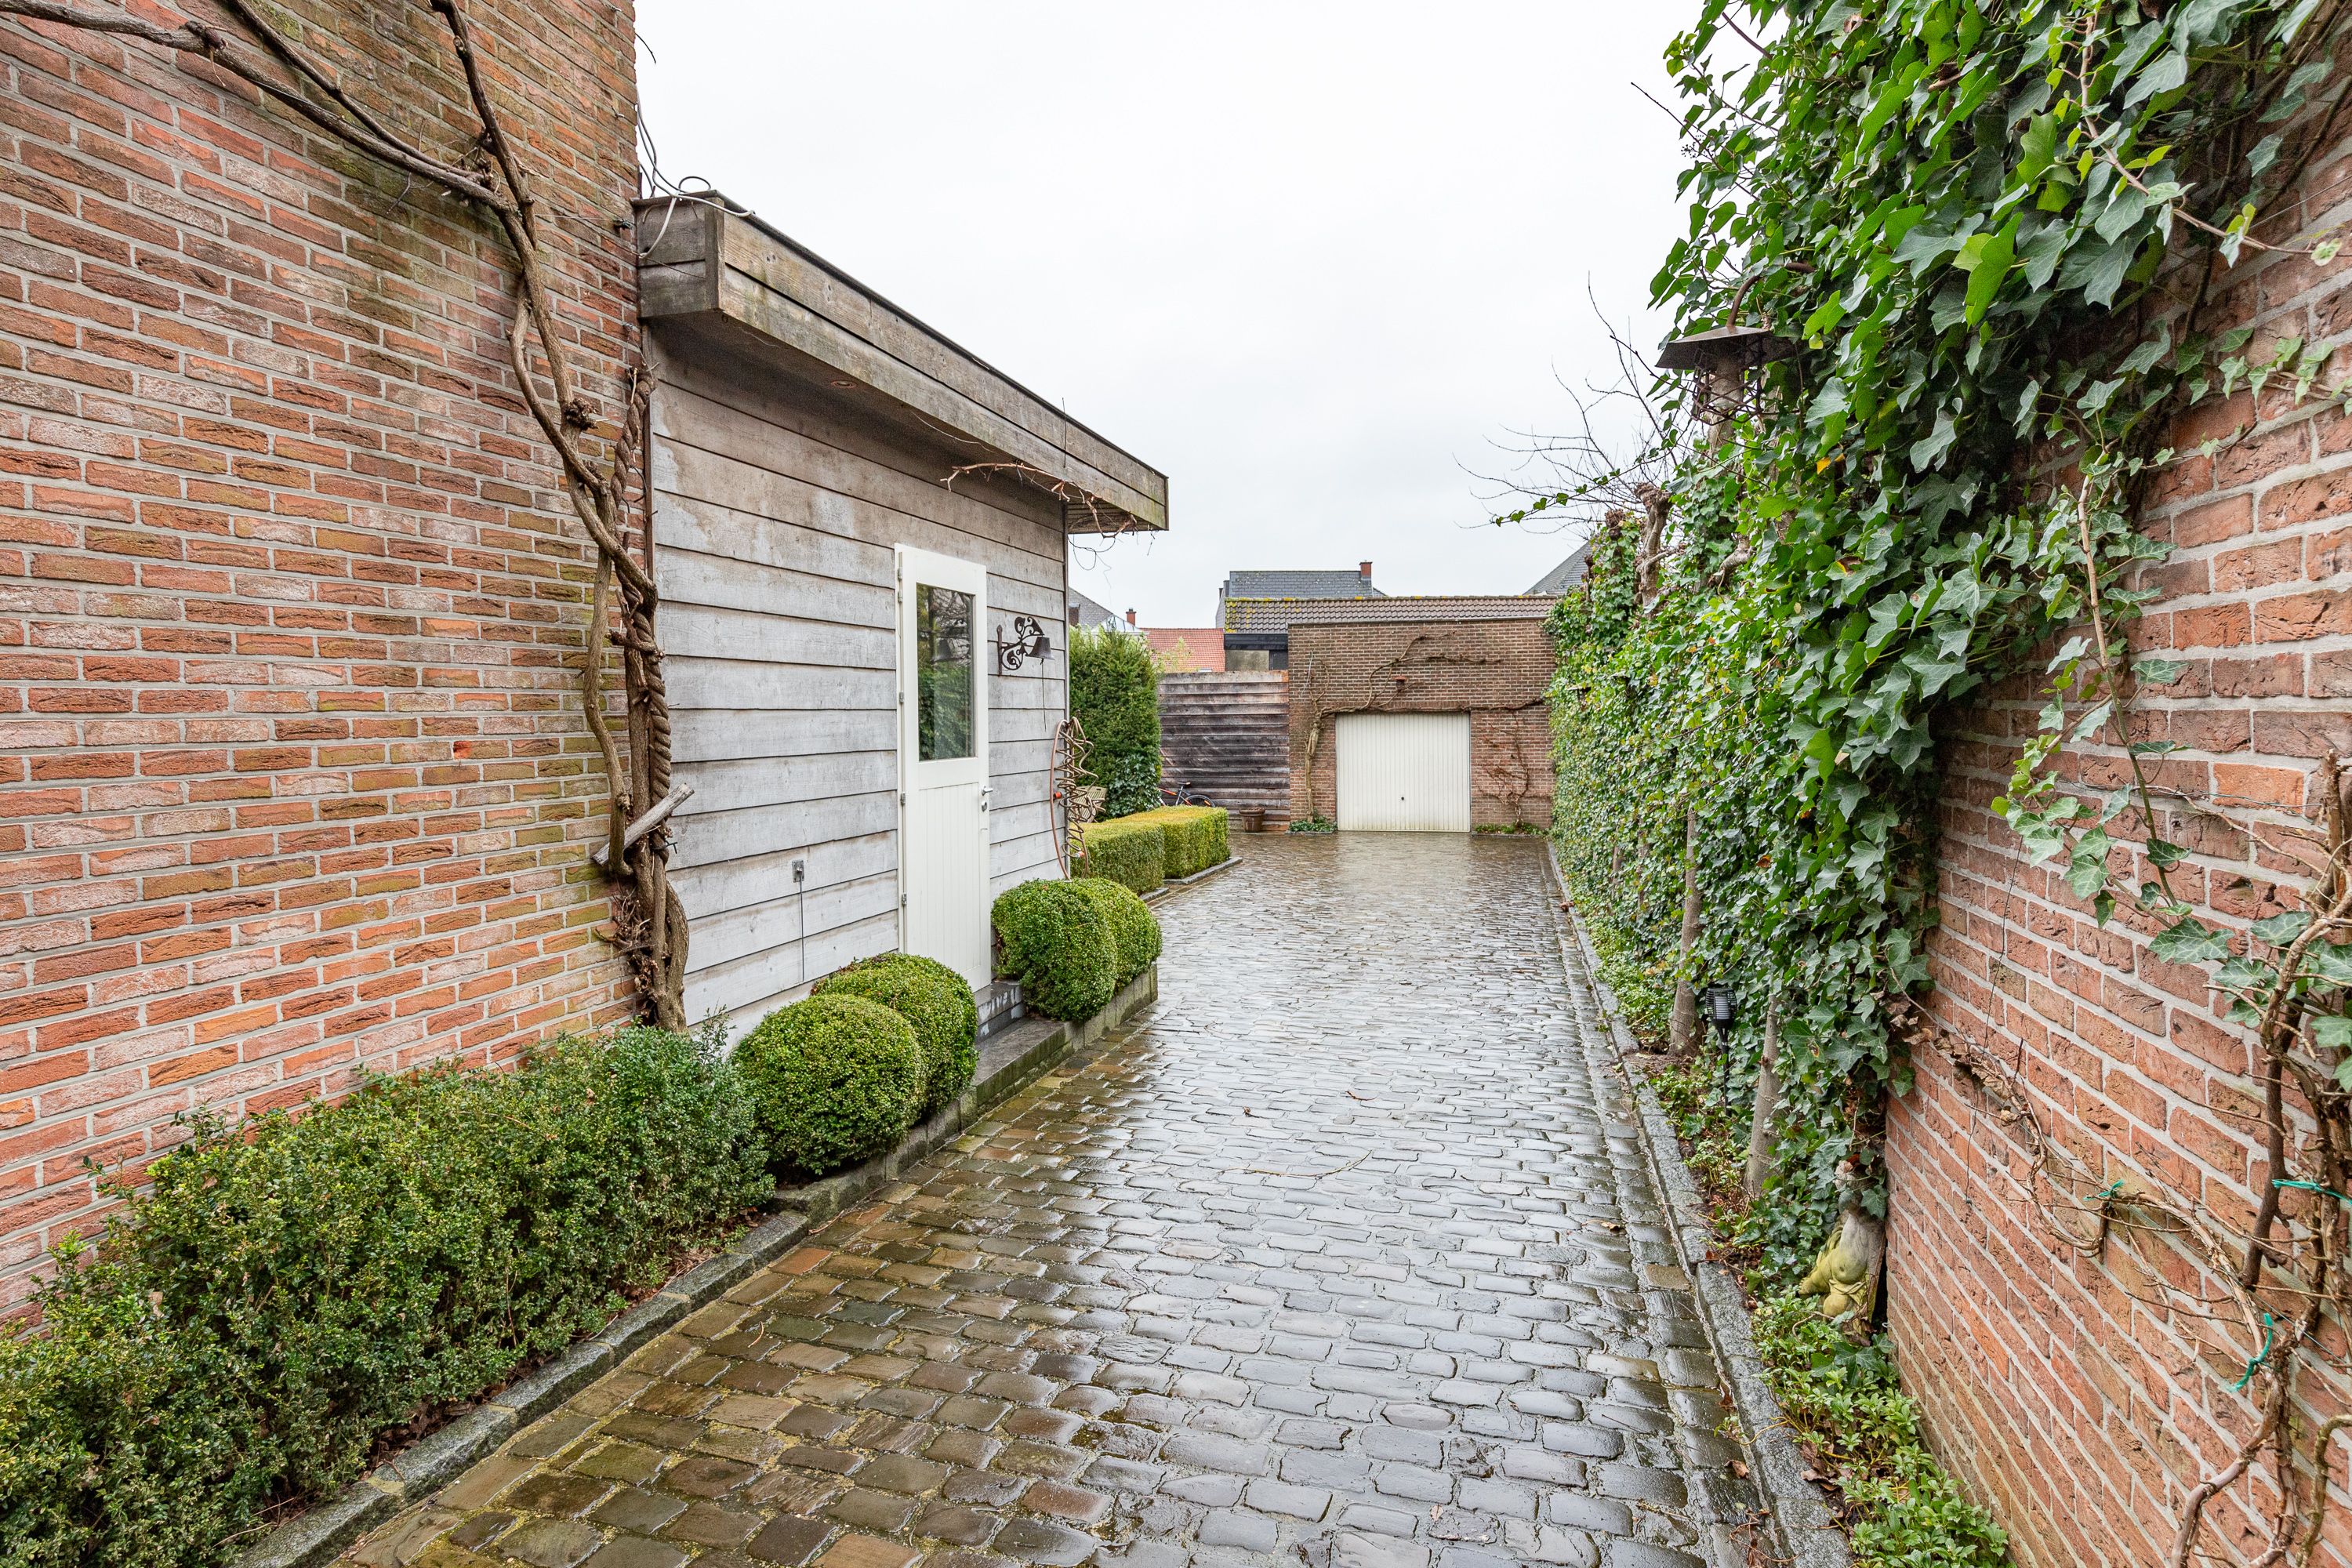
<point>720,274</point>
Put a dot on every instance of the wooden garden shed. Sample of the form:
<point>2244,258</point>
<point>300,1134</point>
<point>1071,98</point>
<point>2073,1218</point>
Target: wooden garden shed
<point>861,538</point>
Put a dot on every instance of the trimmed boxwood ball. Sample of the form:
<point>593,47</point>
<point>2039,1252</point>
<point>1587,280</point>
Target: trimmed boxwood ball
<point>832,1080</point>
<point>1132,928</point>
<point>935,1000</point>
<point>1052,938</point>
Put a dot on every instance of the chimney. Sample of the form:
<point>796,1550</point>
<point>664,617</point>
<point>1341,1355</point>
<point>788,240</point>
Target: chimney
<point>1364,570</point>
<point>1130,618</point>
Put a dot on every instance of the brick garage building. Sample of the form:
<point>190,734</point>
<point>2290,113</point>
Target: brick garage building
<point>294,781</point>
<point>1486,657</point>
<point>2082,1416</point>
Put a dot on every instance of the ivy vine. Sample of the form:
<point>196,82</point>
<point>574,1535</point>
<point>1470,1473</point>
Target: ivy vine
<point>1984,243</point>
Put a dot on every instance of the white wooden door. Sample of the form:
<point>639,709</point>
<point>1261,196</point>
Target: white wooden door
<point>1404,773</point>
<point>943,761</point>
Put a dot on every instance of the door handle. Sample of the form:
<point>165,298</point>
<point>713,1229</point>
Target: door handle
<point>985,790</point>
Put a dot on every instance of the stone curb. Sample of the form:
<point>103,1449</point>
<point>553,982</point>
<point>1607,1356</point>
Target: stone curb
<point>320,1533</point>
<point>1175,884</point>
<point>1803,1524</point>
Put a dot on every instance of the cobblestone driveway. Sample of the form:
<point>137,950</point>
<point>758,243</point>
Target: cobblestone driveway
<point>1342,1254</point>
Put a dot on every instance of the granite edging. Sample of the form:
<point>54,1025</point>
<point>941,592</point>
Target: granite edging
<point>1803,1523</point>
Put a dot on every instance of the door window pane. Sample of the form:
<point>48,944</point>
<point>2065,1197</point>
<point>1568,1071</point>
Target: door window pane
<point>944,689</point>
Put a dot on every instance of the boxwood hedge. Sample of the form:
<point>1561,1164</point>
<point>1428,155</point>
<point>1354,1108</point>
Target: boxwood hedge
<point>931,998</point>
<point>1130,850</point>
<point>293,1288</point>
<point>1196,836</point>
<point>1052,937</point>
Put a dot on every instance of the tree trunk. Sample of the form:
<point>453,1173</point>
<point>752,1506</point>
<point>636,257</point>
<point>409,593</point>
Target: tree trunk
<point>1649,561</point>
<point>1682,1029</point>
<point>1768,1104</point>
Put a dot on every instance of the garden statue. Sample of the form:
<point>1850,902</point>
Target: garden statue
<point>1845,1273</point>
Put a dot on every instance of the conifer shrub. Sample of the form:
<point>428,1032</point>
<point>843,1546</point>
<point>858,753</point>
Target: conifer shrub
<point>1115,696</point>
<point>931,998</point>
<point>1053,938</point>
<point>833,1080</point>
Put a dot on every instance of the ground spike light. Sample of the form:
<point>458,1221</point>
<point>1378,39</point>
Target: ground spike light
<point>1722,1009</point>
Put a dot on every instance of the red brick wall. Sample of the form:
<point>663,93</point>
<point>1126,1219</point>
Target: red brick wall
<point>1497,671</point>
<point>292,776</point>
<point>2080,1415</point>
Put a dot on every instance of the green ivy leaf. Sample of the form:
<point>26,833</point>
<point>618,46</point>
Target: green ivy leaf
<point>2189,941</point>
<point>2280,929</point>
<point>2159,671</point>
<point>1989,268</point>
<point>2329,963</point>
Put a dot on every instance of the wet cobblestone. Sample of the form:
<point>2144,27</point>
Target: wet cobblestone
<point>1342,1254</point>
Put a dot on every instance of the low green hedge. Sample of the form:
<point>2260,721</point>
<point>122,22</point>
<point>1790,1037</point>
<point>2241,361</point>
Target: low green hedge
<point>1196,836</point>
<point>294,1288</point>
<point>832,1080</point>
<point>1052,937</point>
<point>1134,932</point>
<point>1132,850</point>
<point>931,998</point>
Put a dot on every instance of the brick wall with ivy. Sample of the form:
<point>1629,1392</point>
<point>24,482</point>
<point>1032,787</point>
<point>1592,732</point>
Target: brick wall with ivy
<point>2081,1418</point>
<point>294,781</point>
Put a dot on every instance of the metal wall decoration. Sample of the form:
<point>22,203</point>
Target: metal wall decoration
<point>1029,641</point>
<point>1077,802</point>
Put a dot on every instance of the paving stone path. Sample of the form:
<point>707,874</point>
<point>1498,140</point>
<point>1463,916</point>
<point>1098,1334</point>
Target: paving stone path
<point>1342,1255</point>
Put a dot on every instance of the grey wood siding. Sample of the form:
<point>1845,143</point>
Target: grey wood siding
<point>773,525</point>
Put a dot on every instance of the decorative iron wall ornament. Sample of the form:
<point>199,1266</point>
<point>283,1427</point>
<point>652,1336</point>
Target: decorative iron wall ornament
<point>1075,802</point>
<point>1029,641</point>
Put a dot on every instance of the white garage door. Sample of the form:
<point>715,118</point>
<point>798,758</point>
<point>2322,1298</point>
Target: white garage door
<point>1404,773</point>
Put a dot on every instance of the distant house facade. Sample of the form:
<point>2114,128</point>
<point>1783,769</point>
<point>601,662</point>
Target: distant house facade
<point>1254,610</point>
<point>1187,651</point>
<point>1422,714</point>
<point>854,518</point>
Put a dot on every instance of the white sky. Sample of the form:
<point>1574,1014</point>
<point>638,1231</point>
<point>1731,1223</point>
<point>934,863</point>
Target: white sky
<point>1312,260</point>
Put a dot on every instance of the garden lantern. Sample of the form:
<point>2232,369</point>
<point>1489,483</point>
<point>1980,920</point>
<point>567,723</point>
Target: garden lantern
<point>1722,1009</point>
<point>1724,358</point>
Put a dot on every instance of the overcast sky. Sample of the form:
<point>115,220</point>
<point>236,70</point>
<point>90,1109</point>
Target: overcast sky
<point>1312,260</point>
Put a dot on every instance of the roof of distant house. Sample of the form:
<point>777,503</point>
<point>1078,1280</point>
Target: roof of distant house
<point>1357,584</point>
<point>1084,612</point>
<point>1568,573</point>
<point>1280,614</point>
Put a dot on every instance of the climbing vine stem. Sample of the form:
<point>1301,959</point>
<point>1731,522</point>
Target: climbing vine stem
<point>491,178</point>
